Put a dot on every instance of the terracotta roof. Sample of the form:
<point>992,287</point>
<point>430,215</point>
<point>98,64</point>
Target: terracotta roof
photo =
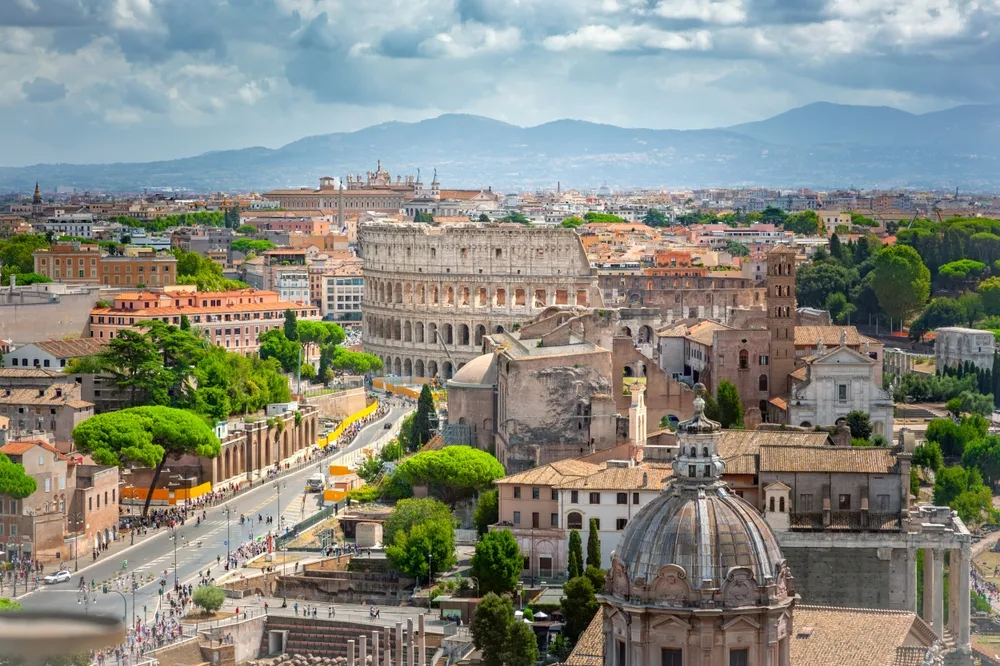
<point>589,648</point>
<point>704,332</point>
<point>29,373</point>
<point>781,248</point>
<point>31,396</point>
<point>739,448</point>
<point>73,348</point>
<point>640,477</point>
<point>20,448</point>
<point>199,310</point>
<point>856,459</point>
<point>780,403</point>
<point>855,637</point>
<point>811,335</point>
<point>799,373</point>
<point>553,473</point>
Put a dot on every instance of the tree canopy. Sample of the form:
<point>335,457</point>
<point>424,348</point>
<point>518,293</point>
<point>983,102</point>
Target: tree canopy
<point>248,245</point>
<point>901,281</point>
<point>655,218</point>
<point>205,274</point>
<point>451,473</point>
<point>489,627</point>
<point>593,217</point>
<point>571,222</point>
<point>209,597</point>
<point>806,223</point>
<point>487,511</point>
<point>730,407</point>
<point>14,481</point>
<point>578,606</point>
<point>146,436</point>
<point>421,535</point>
<point>497,562</point>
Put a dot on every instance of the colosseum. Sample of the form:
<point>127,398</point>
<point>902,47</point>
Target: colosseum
<point>432,293</point>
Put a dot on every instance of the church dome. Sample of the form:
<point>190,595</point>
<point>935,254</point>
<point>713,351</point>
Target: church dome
<point>479,372</point>
<point>696,542</point>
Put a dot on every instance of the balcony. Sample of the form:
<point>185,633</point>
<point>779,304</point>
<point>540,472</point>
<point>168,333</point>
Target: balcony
<point>846,521</point>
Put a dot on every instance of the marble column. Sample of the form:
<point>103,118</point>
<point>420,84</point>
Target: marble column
<point>928,614</point>
<point>363,641</point>
<point>954,578</point>
<point>422,642</point>
<point>350,653</point>
<point>376,655</point>
<point>387,648</point>
<point>411,650</point>
<point>938,596</point>
<point>399,644</point>
<point>964,600</point>
<point>911,580</point>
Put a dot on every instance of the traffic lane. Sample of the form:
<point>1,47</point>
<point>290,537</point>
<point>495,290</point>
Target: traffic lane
<point>255,501</point>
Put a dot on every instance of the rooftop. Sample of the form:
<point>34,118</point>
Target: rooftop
<point>71,348</point>
<point>551,474</point>
<point>852,459</point>
<point>20,448</point>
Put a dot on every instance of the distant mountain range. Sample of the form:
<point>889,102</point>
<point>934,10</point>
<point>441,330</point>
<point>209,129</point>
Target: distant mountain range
<point>821,145</point>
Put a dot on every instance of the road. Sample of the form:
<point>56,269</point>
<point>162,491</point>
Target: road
<point>155,554</point>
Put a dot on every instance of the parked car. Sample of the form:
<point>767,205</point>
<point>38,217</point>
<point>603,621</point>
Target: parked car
<point>60,576</point>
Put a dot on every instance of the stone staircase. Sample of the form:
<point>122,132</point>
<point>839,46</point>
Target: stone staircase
<point>328,638</point>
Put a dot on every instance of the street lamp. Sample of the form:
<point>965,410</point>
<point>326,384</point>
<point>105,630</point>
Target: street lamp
<point>228,510</point>
<point>278,485</point>
<point>77,519</point>
<point>174,538</point>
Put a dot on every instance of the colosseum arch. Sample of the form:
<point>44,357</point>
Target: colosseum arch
<point>397,367</point>
<point>434,294</point>
<point>432,333</point>
<point>498,329</point>
<point>463,334</point>
<point>449,296</point>
<point>418,369</point>
<point>480,333</point>
<point>407,368</point>
<point>418,332</point>
<point>449,334</point>
<point>519,298</point>
<point>432,369</point>
<point>464,300</point>
<point>500,298</point>
<point>408,293</point>
<point>482,297</point>
<point>420,294</point>
<point>397,330</point>
<point>447,371</point>
<point>381,292</point>
<point>398,293</point>
<point>407,332</point>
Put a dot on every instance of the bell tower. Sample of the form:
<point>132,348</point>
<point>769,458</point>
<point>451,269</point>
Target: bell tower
<point>780,283</point>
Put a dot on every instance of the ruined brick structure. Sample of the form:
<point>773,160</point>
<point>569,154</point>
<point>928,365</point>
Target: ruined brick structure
<point>428,289</point>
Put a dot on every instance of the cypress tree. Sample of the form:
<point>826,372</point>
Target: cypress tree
<point>593,546</point>
<point>575,564</point>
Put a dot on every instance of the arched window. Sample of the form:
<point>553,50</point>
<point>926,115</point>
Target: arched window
<point>694,452</point>
<point>704,451</point>
<point>771,505</point>
<point>762,383</point>
<point>781,504</point>
<point>574,521</point>
<point>744,359</point>
<point>691,471</point>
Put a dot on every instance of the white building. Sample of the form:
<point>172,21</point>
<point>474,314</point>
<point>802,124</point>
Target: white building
<point>835,382</point>
<point>51,354</point>
<point>292,286</point>
<point>342,296</point>
<point>953,346</point>
<point>80,225</point>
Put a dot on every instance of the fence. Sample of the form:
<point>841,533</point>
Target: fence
<point>350,420</point>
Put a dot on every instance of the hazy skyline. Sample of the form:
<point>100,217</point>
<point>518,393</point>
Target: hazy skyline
<point>139,80</point>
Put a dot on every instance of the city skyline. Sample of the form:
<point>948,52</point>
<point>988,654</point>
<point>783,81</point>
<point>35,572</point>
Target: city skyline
<point>106,80</point>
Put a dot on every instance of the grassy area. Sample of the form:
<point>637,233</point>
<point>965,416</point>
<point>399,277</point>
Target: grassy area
<point>310,537</point>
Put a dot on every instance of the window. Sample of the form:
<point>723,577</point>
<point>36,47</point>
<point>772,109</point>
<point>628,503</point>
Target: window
<point>744,359</point>
<point>13,530</point>
<point>535,493</point>
<point>762,360</point>
<point>555,495</point>
<point>739,657</point>
<point>621,653</point>
<point>574,497</point>
<point>527,560</point>
<point>1,529</point>
<point>48,485</point>
<point>770,504</point>
<point>671,657</point>
<point>844,502</point>
<point>595,498</point>
<point>517,517</point>
<point>762,383</point>
<point>805,502</point>
<point>554,520</point>
<point>841,391</point>
<point>635,498</point>
<point>622,498</point>
<point>62,483</point>
<point>90,503</point>
<point>535,523</point>
<point>574,521</point>
<point>620,523</point>
<point>883,503</point>
<point>41,461</point>
<point>517,492</point>
<point>781,504</point>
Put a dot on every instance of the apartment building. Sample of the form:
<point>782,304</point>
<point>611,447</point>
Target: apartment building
<point>342,295</point>
<point>55,408</point>
<point>50,353</point>
<point>83,263</point>
<point>231,319</point>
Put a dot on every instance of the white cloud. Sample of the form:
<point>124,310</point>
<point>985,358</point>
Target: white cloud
<point>629,37</point>
<point>137,15</point>
<point>725,12</point>
<point>122,116</point>
<point>469,39</point>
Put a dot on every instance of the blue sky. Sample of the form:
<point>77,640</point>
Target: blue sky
<point>137,80</point>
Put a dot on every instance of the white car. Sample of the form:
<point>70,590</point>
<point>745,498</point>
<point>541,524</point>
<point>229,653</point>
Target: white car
<point>58,577</point>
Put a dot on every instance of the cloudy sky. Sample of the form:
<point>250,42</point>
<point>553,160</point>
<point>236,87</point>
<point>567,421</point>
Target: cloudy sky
<point>137,80</point>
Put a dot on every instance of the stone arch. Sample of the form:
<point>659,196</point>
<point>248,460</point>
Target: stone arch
<point>447,370</point>
<point>519,298</point>
<point>408,293</point>
<point>434,294</point>
<point>480,334</point>
<point>418,369</point>
<point>397,367</point>
<point>432,369</point>
<point>463,334</point>
<point>397,330</point>
<point>381,292</point>
<point>432,333</point>
<point>500,298</point>
<point>482,298</point>
<point>449,334</point>
<point>449,296</point>
<point>418,332</point>
<point>627,331</point>
<point>407,368</point>
<point>645,334</point>
<point>805,424</point>
<point>407,332</point>
<point>464,297</point>
<point>499,329</point>
<point>398,293</point>
<point>421,295</point>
